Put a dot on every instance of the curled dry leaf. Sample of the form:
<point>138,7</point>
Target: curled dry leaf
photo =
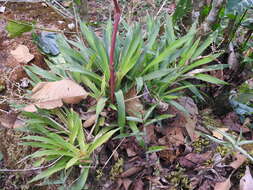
<point>22,54</point>
<point>50,95</point>
<point>240,159</point>
<point>126,183</point>
<point>90,121</point>
<point>131,171</point>
<point>189,121</point>
<point>192,160</point>
<point>246,182</point>
<point>139,185</point>
<point>133,103</point>
<point>225,185</point>
<point>217,134</point>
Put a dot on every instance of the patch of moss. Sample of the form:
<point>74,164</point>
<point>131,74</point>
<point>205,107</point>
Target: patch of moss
<point>223,150</point>
<point>200,144</point>
<point>117,169</point>
<point>178,179</point>
<point>2,86</point>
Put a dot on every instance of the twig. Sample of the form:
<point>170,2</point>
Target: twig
<point>130,99</point>
<point>112,81</point>
<point>164,3</point>
<point>31,169</point>
<point>113,152</point>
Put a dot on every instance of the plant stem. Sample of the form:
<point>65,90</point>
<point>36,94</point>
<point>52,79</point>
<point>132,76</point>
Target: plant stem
<point>112,81</point>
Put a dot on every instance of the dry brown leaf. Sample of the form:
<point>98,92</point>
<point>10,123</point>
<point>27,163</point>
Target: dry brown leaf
<point>246,182</point>
<point>133,104</point>
<point>90,121</point>
<point>21,54</point>
<point>217,134</point>
<point>10,120</point>
<point>50,95</point>
<point>131,171</point>
<point>226,185</point>
<point>240,159</point>
<point>7,120</point>
<point>188,121</point>
<point>139,185</point>
<point>126,183</point>
<point>130,152</point>
<point>192,160</point>
<point>175,136</point>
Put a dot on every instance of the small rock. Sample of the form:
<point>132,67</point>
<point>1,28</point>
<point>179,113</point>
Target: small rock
<point>71,26</point>
<point>67,4</point>
<point>60,22</point>
<point>44,4</point>
<point>24,82</point>
<point>2,9</point>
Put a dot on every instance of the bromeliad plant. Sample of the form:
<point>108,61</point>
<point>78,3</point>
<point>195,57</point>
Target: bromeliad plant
<point>163,63</point>
<point>62,142</point>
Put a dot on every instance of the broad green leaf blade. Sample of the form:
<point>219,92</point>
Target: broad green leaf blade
<point>200,62</point>
<point>50,171</point>
<point>39,145</point>
<point>210,79</point>
<point>121,110</point>
<point>17,28</point>
<point>80,183</point>
<point>158,118</point>
<point>71,162</point>
<point>156,149</point>
<point>168,51</point>
<point>101,140</point>
<point>205,45</point>
<point>51,152</point>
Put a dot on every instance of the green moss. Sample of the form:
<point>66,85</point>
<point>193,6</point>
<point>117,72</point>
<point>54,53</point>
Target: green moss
<point>223,150</point>
<point>117,169</point>
<point>200,144</point>
<point>2,85</point>
<point>178,178</point>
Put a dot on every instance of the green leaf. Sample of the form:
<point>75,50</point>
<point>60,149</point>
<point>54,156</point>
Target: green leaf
<point>149,112</point>
<point>17,28</point>
<point>80,183</point>
<point>200,62</point>
<point>238,6</point>
<point>156,149</point>
<point>139,84</point>
<point>210,79</point>
<point>47,173</point>
<point>51,152</point>
<point>101,140</point>
<point>121,110</point>
<point>178,106</point>
<point>168,51</point>
<point>158,118</point>
<point>71,162</point>
<point>205,45</point>
<point>183,6</point>
<point>39,144</point>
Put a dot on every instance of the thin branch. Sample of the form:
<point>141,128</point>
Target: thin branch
<point>112,81</point>
<point>114,151</point>
<point>31,169</point>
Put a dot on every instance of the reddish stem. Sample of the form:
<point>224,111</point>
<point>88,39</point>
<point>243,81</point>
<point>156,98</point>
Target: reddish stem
<point>112,81</point>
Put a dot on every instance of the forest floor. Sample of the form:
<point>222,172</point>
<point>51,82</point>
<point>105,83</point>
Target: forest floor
<point>199,164</point>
